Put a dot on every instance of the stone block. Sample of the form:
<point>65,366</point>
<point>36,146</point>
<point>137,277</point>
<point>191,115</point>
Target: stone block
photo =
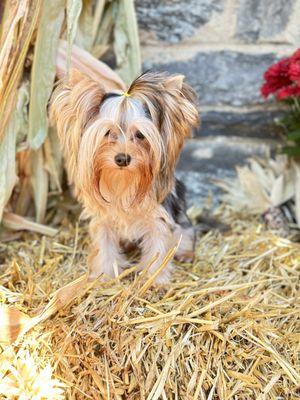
<point>258,124</point>
<point>262,19</point>
<point>173,20</point>
<point>222,77</point>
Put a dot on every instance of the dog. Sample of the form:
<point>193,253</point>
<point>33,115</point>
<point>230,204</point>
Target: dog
<point>120,151</point>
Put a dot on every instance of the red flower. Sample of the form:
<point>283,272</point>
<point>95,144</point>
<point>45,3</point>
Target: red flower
<point>276,77</point>
<point>287,92</point>
<point>296,56</point>
<point>294,72</point>
<point>294,69</point>
<point>283,78</point>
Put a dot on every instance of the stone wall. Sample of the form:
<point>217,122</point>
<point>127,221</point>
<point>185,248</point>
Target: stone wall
<point>223,47</point>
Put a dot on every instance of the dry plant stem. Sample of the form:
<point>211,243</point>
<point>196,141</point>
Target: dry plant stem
<point>16,222</point>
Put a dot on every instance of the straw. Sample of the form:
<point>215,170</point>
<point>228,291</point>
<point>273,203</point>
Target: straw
<point>225,328</point>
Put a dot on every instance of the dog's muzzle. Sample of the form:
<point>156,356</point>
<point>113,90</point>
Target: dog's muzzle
<point>122,159</point>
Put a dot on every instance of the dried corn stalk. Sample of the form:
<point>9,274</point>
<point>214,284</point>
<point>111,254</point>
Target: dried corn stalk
<point>264,186</point>
<point>31,53</point>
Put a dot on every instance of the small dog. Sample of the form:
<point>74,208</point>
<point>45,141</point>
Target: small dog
<point>121,151</point>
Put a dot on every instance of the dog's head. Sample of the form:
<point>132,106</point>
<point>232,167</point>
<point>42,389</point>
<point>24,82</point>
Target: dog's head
<point>119,147</point>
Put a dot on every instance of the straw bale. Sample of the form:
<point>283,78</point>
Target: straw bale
<point>225,328</point>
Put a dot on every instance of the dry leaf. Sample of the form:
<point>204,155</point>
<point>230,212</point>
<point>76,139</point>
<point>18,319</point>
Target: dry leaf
<point>86,63</point>
<point>264,184</point>
<point>17,222</point>
<point>126,44</point>
<point>13,323</point>
<point>43,70</point>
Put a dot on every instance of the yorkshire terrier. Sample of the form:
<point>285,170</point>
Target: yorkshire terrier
<point>121,151</point>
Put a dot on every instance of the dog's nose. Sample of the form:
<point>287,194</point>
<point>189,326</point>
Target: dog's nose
<point>122,159</point>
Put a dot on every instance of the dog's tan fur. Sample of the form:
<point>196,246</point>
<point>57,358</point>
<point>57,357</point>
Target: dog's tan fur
<point>125,203</point>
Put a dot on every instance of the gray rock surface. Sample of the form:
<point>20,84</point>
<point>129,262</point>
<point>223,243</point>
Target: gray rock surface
<point>259,124</point>
<point>222,77</point>
<point>204,160</point>
<point>223,47</point>
<point>262,19</point>
<point>174,20</point>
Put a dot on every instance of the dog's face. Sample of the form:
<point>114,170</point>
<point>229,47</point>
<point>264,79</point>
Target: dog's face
<point>122,147</point>
<point>128,151</point>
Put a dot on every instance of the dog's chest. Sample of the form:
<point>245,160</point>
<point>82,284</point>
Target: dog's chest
<point>128,226</point>
<point>132,225</point>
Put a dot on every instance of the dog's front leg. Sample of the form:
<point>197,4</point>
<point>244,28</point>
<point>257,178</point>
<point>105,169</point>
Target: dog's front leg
<point>105,251</point>
<point>158,239</point>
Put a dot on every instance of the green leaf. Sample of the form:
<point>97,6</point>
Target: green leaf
<point>84,37</point>
<point>126,41</point>
<point>40,183</point>
<point>292,151</point>
<point>295,135</point>
<point>74,8</point>
<point>105,28</point>
<point>8,177</point>
<point>97,18</point>
<point>43,69</point>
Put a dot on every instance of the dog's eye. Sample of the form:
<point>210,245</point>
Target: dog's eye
<point>139,135</point>
<point>107,133</point>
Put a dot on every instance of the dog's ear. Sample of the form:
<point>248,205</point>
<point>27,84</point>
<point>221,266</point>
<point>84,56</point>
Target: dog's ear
<point>76,99</point>
<point>174,82</point>
<point>74,105</point>
<point>180,115</point>
<point>180,106</point>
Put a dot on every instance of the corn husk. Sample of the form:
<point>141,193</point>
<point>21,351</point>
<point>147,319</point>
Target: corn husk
<point>83,61</point>
<point>264,184</point>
